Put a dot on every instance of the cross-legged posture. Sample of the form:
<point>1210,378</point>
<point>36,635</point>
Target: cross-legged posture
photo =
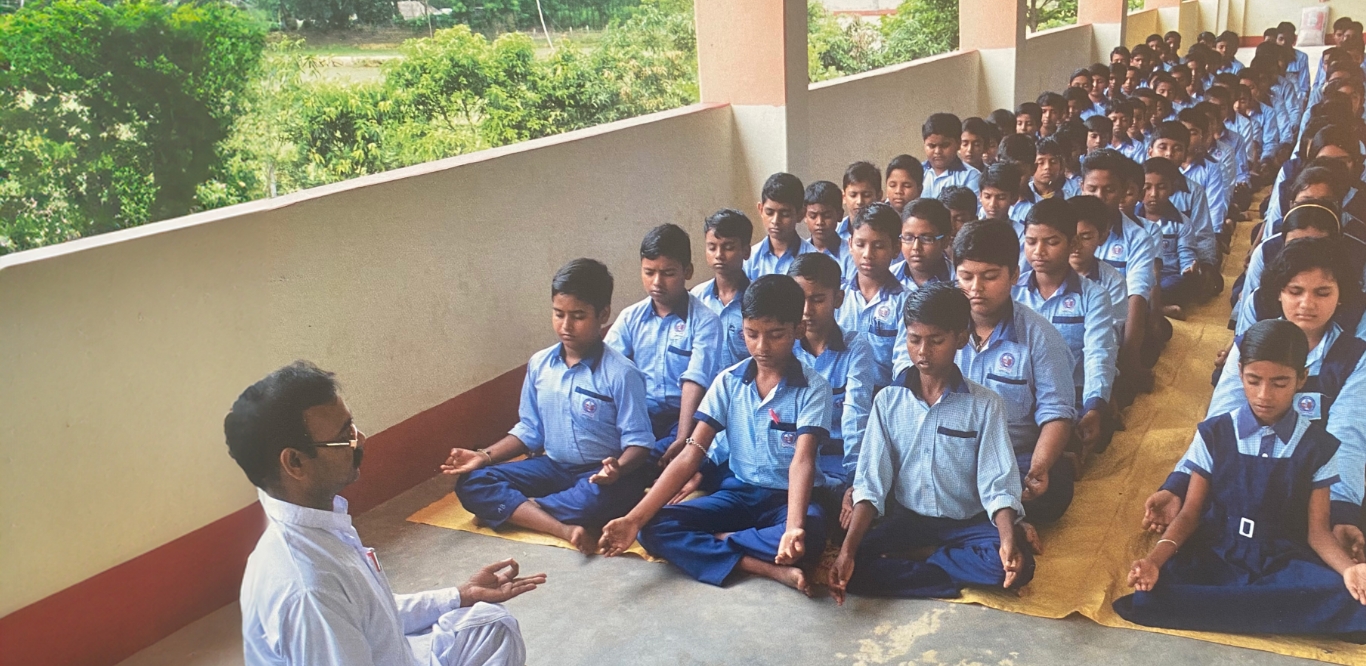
<point>583,418</point>
<point>774,410</point>
<point>937,470</point>
<point>313,594</point>
<point>1251,550</point>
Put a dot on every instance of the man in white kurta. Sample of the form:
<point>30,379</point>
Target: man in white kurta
<point>313,594</point>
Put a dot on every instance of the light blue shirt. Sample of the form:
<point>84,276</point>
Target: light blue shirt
<point>1112,281</point>
<point>878,320</point>
<point>1082,312</point>
<point>1193,203</point>
<point>1208,174</point>
<point>1278,440</point>
<point>681,347</point>
<point>1349,428</point>
<point>1130,250</point>
<point>763,262</point>
<point>847,365</point>
<point>1256,265</point>
<point>901,270</point>
<point>581,414</point>
<point>1175,238</point>
<point>952,459</point>
<point>1134,150</point>
<point>761,432</point>
<point>731,347</point>
<point>1298,73</point>
<point>1265,129</point>
<point>845,258</point>
<point>957,174</point>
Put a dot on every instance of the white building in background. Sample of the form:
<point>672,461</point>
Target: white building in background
<point>861,7</point>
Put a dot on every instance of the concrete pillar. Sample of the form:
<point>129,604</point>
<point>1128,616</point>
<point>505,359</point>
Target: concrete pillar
<point>1107,19</point>
<point>751,54</point>
<point>996,29</point>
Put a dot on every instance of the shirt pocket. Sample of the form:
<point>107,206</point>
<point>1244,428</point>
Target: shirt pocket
<point>676,360</point>
<point>783,435</point>
<point>1072,328</point>
<point>594,410</point>
<point>837,398</point>
<point>956,449</point>
<point>1016,393</point>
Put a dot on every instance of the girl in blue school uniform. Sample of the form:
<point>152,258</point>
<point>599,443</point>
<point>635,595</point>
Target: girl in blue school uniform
<point>1251,551</point>
<point>1310,295</point>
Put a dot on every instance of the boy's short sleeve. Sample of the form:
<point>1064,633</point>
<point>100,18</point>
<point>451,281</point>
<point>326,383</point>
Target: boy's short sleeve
<point>1350,430</point>
<point>633,413</point>
<point>814,405</point>
<point>619,336</point>
<point>715,407</point>
<point>706,346</point>
<point>1055,397</point>
<point>1327,475</point>
<point>858,399</point>
<point>528,428</point>
<point>874,474</point>
<point>1198,459</point>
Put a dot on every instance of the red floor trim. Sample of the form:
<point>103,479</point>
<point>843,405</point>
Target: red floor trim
<point>114,614</point>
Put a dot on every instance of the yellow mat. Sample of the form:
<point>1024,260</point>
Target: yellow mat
<point>1087,554</point>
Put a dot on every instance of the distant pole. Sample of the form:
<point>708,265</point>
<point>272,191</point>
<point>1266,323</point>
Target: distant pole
<point>427,9</point>
<point>543,28</point>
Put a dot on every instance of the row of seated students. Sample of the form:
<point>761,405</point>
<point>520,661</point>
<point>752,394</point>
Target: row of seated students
<point>924,377</point>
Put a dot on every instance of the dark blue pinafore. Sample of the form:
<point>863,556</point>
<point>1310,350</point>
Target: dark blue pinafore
<point>1249,568</point>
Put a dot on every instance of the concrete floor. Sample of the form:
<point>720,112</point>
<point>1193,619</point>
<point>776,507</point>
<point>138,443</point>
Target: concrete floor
<point>623,610</point>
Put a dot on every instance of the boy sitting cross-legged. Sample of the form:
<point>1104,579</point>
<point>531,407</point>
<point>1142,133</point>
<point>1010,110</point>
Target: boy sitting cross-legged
<point>582,419</point>
<point>938,469</point>
<point>774,410</point>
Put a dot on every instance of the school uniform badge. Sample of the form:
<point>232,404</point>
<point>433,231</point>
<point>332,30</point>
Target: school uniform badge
<point>789,438</point>
<point>590,406</point>
<point>681,327</point>
<point>1069,303</point>
<point>1307,405</point>
<point>1007,360</point>
<point>1116,250</point>
<point>884,311</point>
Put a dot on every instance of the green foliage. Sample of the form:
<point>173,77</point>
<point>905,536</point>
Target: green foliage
<point>918,29</point>
<point>329,14</point>
<point>1048,14</point>
<point>113,114</point>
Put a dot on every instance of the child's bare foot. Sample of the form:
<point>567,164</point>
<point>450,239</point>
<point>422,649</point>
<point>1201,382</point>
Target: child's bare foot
<point>792,577</point>
<point>1173,312</point>
<point>722,536</point>
<point>583,541</point>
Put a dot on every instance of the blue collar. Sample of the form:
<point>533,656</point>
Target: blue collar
<point>793,250</point>
<point>955,165</point>
<point>904,268</point>
<point>593,358</point>
<point>681,313</point>
<point>1247,423</point>
<point>792,373</point>
<point>1167,212</point>
<point>834,343</point>
<point>1071,283</point>
<point>910,378</point>
<point>716,293</point>
<point>892,287</point>
<point>1005,329</point>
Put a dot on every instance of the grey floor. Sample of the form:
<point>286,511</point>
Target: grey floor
<point>623,610</point>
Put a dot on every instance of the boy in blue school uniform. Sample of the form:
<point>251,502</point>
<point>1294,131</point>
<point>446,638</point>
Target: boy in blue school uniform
<point>862,186</point>
<point>1080,309</point>
<point>671,336</point>
<point>774,410</point>
<point>846,363</point>
<point>1093,227</point>
<point>583,419</point>
<point>823,205</point>
<point>1121,117</point>
<point>962,205</point>
<point>943,135</point>
<point>726,236</point>
<point>905,181</point>
<point>1000,195</point>
<point>873,298</point>
<point>1203,169</point>
<point>1178,269</point>
<point>782,204</point>
<point>937,469</point>
<point>1171,140</point>
<point>926,236</point>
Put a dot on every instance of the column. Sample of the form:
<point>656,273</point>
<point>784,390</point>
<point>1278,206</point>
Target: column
<point>996,29</point>
<point>1107,19</point>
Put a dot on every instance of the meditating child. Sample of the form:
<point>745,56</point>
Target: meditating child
<point>671,336</point>
<point>1093,226</point>
<point>926,236</point>
<point>873,298</point>
<point>962,205</point>
<point>583,419</point>
<point>905,181</point>
<point>1027,118</point>
<point>846,363</point>
<point>943,134</point>
<point>782,204</point>
<point>1000,196</point>
<point>774,410</point>
<point>1049,169</point>
<point>824,203</point>
<point>1251,551</point>
<point>1178,270</point>
<point>936,472</point>
<point>976,137</point>
<point>1080,309</point>
<point>726,237</point>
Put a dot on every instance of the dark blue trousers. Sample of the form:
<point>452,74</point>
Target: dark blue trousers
<point>1180,289</point>
<point>968,554</point>
<point>1054,502</point>
<point>563,491</point>
<point>756,518</point>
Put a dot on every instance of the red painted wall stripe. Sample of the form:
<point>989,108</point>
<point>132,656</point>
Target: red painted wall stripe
<point>114,614</point>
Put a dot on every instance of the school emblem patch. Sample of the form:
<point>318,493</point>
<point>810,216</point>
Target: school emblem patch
<point>789,438</point>
<point>680,327</point>
<point>590,406</point>
<point>1116,250</point>
<point>1007,360</point>
<point>1069,302</point>
<point>1308,405</point>
<point>884,311</point>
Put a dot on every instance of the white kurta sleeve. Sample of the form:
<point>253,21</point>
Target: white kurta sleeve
<point>420,610</point>
<point>319,629</point>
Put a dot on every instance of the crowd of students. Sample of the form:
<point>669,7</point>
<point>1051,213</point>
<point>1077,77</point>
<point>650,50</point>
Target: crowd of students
<point>923,378</point>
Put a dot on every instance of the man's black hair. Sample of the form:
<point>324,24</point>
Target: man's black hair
<point>585,279</point>
<point>817,268</point>
<point>269,417</point>
<point>988,241</point>
<point>729,223</point>
<point>943,124</point>
<point>930,210</point>
<point>825,193</point>
<point>939,304</point>
<point>784,188</point>
<point>667,240</point>
<point>774,296</point>
<point>1056,213</point>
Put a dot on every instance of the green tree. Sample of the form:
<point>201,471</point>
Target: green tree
<point>920,29</point>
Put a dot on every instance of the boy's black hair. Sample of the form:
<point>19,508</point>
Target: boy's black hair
<point>880,216</point>
<point>1099,69</point>
<point>1307,254</point>
<point>1051,99</point>
<point>1141,50</point>
<point>1017,148</point>
<point>1325,171</point>
<point>729,223</point>
<point>1056,213</point>
<point>1226,79</point>
<point>955,197</point>
<point>1050,145</point>
<point>1092,209</point>
<point>1286,28</point>
<point>1100,125</point>
<point>1196,117</point>
<point>976,126</point>
<point>1076,95</point>
<point>988,241</point>
<point>1270,35</point>
<point>1165,168</point>
<point>774,296</point>
<point>1170,34</point>
<point>939,304</point>
<point>1230,37</point>
<point>1172,130</point>
<point>1004,176</point>
<point>1079,72</point>
<point>1121,50</point>
<point>1320,214</point>
<point>930,210</point>
<point>910,165</point>
<point>667,240</point>
<point>825,193</point>
<point>1221,92</point>
<point>1107,159</point>
<point>1030,109</point>
<point>585,279</point>
<point>784,188</point>
<point>268,418</point>
<point>943,124</point>
<point>1275,340</point>
<point>817,268</point>
<point>1123,107</point>
<point>1004,121</point>
<point>863,172</point>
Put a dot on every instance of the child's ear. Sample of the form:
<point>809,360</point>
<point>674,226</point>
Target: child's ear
<point>604,315</point>
<point>1300,380</point>
<point>960,339</point>
<point>839,298</point>
<point>799,330</point>
<point>687,272</point>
